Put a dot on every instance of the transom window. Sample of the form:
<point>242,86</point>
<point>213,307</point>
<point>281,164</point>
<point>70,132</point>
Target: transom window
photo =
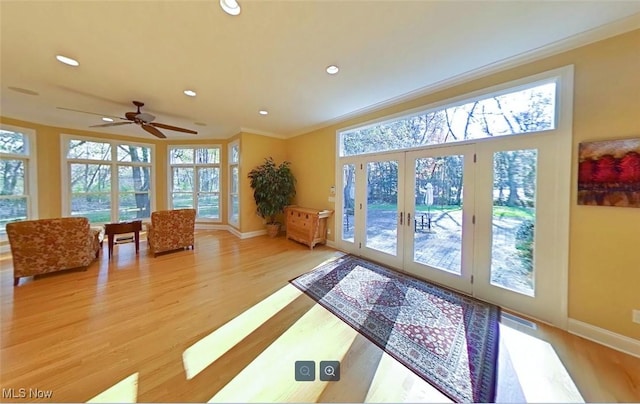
<point>107,180</point>
<point>17,176</point>
<point>528,109</point>
<point>195,179</point>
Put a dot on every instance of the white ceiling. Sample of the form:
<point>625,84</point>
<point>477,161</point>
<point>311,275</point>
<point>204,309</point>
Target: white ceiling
<point>272,56</point>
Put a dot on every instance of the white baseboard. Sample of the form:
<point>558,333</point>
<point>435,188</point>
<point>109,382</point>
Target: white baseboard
<point>332,244</point>
<point>252,234</point>
<point>605,337</point>
<point>211,226</point>
<point>234,231</point>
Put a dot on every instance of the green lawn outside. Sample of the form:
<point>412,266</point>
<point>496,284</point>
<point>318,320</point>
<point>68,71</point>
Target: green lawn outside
<point>502,211</point>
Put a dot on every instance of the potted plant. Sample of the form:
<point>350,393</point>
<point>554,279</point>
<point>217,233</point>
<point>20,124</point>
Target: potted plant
<point>273,188</point>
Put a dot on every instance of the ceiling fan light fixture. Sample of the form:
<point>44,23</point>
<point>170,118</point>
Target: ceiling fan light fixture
<point>107,119</point>
<point>230,7</point>
<point>190,93</point>
<point>333,69</point>
<point>67,60</point>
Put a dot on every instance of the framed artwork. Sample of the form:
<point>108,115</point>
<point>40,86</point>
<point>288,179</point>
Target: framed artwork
<point>609,173</point>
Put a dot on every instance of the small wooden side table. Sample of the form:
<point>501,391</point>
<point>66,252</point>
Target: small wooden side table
<point>111,229</point>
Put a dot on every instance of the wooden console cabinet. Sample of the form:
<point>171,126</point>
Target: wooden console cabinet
<point>307,226</point>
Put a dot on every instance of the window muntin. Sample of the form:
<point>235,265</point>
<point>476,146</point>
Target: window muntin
<point>17,176</point>
<point>511,112</point>
<point>108,180</point>
<point>195,179</point>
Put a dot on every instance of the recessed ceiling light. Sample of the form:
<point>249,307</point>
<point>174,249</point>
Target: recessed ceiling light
<point>67,60</point>
<point>190,93</point>
<point>263,112</point>
<point>333,69</point>
<point>23,90</point>
<point>230,7</point>
<point>107,119</point>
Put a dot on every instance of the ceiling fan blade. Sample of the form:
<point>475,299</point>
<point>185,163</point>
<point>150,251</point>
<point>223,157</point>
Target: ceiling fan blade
<point>153,131</point>
<point>92,113</point>
<point>177,129</point>
<point>104,125</point>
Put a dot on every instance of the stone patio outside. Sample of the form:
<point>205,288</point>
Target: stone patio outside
<point>438,244</point>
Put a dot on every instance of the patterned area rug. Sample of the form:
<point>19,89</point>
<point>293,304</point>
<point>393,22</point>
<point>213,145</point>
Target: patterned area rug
<point>448,339</point>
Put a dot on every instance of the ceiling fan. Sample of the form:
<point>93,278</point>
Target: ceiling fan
<point>144,119</point>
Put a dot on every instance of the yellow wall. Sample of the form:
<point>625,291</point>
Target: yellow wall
<point>313,160</point>
<point>253,150</point>
<point>604,266</point>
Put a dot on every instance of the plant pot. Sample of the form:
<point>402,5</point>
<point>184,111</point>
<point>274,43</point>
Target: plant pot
<point>273,229</point>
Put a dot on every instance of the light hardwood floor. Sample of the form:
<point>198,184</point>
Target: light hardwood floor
<point>221,323</point>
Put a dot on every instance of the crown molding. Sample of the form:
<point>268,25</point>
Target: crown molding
<point>262,133</point>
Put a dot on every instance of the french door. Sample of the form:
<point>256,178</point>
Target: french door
<point>484,219</point>
<point>439,234</point>
<point>373,215</point>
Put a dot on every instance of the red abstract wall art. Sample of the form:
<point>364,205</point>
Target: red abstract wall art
<point>609,173</point>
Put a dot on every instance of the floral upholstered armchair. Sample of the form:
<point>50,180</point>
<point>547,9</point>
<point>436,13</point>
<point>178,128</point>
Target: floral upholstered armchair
<point>50,245</point>
<point>171,230</point>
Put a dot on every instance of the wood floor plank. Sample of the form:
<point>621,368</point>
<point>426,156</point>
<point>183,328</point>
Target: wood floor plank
<point>119,332</point>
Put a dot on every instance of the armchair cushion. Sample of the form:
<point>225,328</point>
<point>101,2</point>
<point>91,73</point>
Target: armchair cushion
<point>49,245</point>
<point>171,230</point>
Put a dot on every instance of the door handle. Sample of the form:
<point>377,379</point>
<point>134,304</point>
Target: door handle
<point>401,214</point>
<point>408,219</point>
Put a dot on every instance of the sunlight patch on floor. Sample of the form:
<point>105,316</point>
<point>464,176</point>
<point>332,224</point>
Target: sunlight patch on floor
<point>413,388</point>
<point>125,391</point>
<point>538,368</point>
<point>203,353</point>
<point>317,336</point>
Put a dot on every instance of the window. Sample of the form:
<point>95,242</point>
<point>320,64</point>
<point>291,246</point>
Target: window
<point>195,180</point>
<point>234,183</point>
<point>527,109</point>
<point>17,176</point>
<point>107,180</point>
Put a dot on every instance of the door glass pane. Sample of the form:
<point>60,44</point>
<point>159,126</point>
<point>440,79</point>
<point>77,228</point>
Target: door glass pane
<point>514,218</point>
<point>349,192</point>
<point>182,179</point>
<point>382,206</point>
<point>208,179</point>
<point>208,206</point>
<point>437,220</point>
